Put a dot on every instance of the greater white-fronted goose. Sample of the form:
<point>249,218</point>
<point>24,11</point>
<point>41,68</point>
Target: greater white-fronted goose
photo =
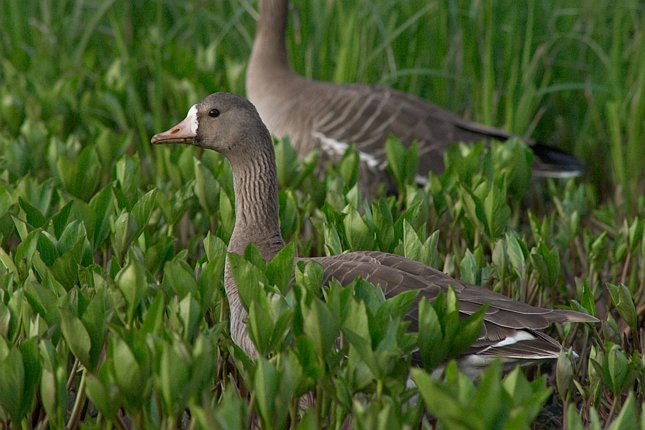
<point>231,125</point>
<point>330,117</point>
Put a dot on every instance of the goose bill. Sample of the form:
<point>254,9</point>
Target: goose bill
<point>184,132</point>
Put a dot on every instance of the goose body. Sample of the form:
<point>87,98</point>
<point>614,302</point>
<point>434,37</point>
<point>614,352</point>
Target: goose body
<point>330,117</point>
<point>231,125</point>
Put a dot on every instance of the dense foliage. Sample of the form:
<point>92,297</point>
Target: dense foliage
<point>112,310</point>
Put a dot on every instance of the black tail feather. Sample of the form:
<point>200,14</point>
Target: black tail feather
<point>550,162</point>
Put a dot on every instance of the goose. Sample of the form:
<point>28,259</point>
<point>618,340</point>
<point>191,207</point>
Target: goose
<point>330,117</point>
<point>231,125</point>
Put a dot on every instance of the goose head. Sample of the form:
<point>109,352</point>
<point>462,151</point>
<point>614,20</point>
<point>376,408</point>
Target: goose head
<point>223,122</point>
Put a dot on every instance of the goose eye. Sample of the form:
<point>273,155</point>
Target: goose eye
<point>214,113</point>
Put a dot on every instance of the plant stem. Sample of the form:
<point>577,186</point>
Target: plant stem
<point>78,403</point>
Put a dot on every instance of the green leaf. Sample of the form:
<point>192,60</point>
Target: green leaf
<point>265,382</point>
<point>280,270</point>
<point>191,315</point>
<point>27,248</point>
<point>34,217</point>
<point>142,209</point>
<point>5,200</point>
<point>128,373</point>
<point>214,248</point>
<point>76,336</point>
<point>332,240</point>
<point>516,253</point>
<point>47,249</point>
<point>442,403</point>
<point>102,206</point>
<point>430,338</point>
<point>12,381</point>
<point>469,269</point>
<point>207,189</point>
<point>174,377</point>
<point>32,366</point>
<point>80,177</point>
<point>286,162</point>
<point>627,419</point>
<point>310,274</point>
<point>488,400</point>
<point>95,320</point>
<point>154,317</point>
<point>248,279</point>
<point>227,215</point>
<point>260,324</point>
<point>125,228</point>
<point>528,397</point>
<point>43,301</point>
<point>103,392</point>
<point>231,412</point>
<point>289,216</point>
<point>617,370</point>
<point>179,277</point>
<point>349,167</point>
<point>357,231</point>
<point>320,326</point>
<point>53,390</point>
<point>622,300</point>
<point>131,282</point>
<point>402,162</point>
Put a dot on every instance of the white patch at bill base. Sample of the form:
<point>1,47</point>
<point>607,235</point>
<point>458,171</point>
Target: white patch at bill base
<point>192,116</point>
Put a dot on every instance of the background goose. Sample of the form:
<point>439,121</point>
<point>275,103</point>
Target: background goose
<point>231,125</point>
<point>330,116</point>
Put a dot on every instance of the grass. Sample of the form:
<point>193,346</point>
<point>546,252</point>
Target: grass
<point>111,301</point>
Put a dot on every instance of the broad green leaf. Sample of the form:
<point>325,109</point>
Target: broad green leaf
<point>82,176</point>
<point>179,277</point>
<point>358,233</point>
<point>287,163</point>
<point>12,381</point>
<point>320,326</point>
<point>516,253</point>
<point>265,382</point>
<point>125,227</point>
<point>26,248</point>
<point>128,373</point>
<point>95,320</point>
<point>260,324</point>
<point>627,419</point>
<point>174,377</point>
<point>154,317</point>
<point>34,217</point>
<point>231,412</point>
<point>103,394</point>
<point>622,300</point>
<point>132,283</point>
<point>563,375</point>
<point>469,269</point>
<point>47,248</point>
<point>206,189</point>
<point>248,279</point>
<point>280,270</point>
<point>102,206</point>
<point>191,314</point>
<point>76,336</point>
<point>142,209</point>
<point>53,390</point>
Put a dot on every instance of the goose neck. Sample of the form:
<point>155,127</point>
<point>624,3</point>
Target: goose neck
<point>269,47</point>
<point>256,202</point>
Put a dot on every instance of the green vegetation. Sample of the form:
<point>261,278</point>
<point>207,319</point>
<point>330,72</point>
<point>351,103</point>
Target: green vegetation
<point>112,310</point>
